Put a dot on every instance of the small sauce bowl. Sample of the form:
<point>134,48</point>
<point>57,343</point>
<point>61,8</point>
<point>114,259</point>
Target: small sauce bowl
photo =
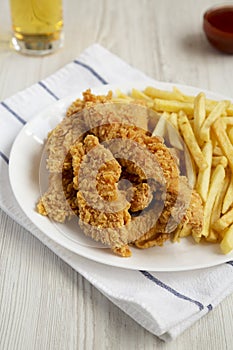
<point>218,27</point>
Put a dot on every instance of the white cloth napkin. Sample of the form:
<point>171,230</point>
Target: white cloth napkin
<point>164,303</point>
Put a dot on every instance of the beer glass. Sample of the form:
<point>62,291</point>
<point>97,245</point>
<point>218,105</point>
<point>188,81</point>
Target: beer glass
<point>37,26</point>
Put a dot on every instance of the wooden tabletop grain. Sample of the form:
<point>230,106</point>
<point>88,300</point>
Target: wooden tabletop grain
<point>44,304</point>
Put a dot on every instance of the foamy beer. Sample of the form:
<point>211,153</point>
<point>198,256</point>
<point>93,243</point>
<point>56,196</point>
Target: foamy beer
<point>37,26</point>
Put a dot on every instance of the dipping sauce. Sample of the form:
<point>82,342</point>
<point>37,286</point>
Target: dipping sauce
<point>218,27</point>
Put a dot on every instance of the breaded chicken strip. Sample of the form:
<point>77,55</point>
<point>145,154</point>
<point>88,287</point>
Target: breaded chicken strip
<point>95,166</point>
<point>142,197</point>
<point>101,205</point>
<point>182,206</point>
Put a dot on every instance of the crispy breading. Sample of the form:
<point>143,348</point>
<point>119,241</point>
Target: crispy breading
<point>194,214</point>
<point>182,206</point>
<point>142,196</point>
<point>54,203</point>
<point>60,139</point>
<point>87,101</point>
<point>105,120</point>
<point>95,166</point>
<point>95,146</point>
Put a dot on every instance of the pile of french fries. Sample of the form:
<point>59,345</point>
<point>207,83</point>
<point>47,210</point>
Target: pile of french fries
<point>206,127</point>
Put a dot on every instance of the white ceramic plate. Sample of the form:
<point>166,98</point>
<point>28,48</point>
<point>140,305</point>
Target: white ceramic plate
<point>24,176</point>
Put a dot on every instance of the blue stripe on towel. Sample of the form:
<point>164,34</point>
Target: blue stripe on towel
<point>3,156</point>
<point>102,80</point>
<point>20,119</point>
<point>48,90</point>
<point>209,307</point>
<point>230,262</point>
<point>171,290</point>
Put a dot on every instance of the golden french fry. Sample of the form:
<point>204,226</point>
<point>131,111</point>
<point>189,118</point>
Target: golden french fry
<point>139,95</point>
<point>219,160</point>
<point>228,199</point>
<point>230,134</point>
<point>174,136</point>
<point>120,94</point>
<point>223,140</point>
<point>210,104</point>
<point>179,95</point>
<point>217,151</point>
<point>218,110</point>
<point>185,231</point>
<point>226,244</point>
<point>173,119</point>
<point>227,120</point>
<point>212,237</point>
<point>203,178</point>
<point>225,221</point>
<point>176,237</point>
<point>199,114</point>
<point>163,94</point>
<point>217,208</point>
<point>190,140</point>
<point>216,182</point>
<point>161,105</point>
<point>160,128</point>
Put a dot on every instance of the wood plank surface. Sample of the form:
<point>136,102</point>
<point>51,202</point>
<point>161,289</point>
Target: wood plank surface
<point>44,304</point>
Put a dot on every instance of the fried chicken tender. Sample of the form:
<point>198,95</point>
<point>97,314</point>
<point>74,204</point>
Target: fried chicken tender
<point>110,125</point>
<point>95,167</point>
<point>54,203</point>
<point>142,197</point>
<point>182,206</point>
<point>97,145</point>
<point>99,168</point>
<point>194,215</point>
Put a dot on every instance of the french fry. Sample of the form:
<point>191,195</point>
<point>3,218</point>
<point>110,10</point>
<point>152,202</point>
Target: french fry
<point>120,94</point>
<point>172,106</point>
<point>219,160</point>
<point>228,199</point>
<point>210,104</point>
<point>196,238</point>
<point>176,237</point>
<point>163,94</point>
<point>199,114</point>
<point>223,140</point>
<point>160,128</point>
<point>225,221</point>
<point>179,94</point>
<point>203,178</point>
<point>216,182</point>
<point>230,134</point>
<point>191,142</point>
<point>226,244</point>
<point>217,208</point>
<point>217,151</point>
<point>185,231</point>
<point>218,110</point>
<point>212,236</point>
<point>227,120</point>
<point>173,132</point>
<point>173,119</point>
<point>139,95</point>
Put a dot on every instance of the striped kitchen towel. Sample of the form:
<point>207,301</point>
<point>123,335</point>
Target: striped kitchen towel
<point>165,303</point>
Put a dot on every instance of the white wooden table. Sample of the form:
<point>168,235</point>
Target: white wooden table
<point>44,304</point>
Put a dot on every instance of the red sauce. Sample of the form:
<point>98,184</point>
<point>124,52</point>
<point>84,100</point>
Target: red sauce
<point>218,27</point>
<point>222,19</point>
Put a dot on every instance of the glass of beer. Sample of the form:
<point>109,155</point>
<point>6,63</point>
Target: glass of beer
<point>37,26</point>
